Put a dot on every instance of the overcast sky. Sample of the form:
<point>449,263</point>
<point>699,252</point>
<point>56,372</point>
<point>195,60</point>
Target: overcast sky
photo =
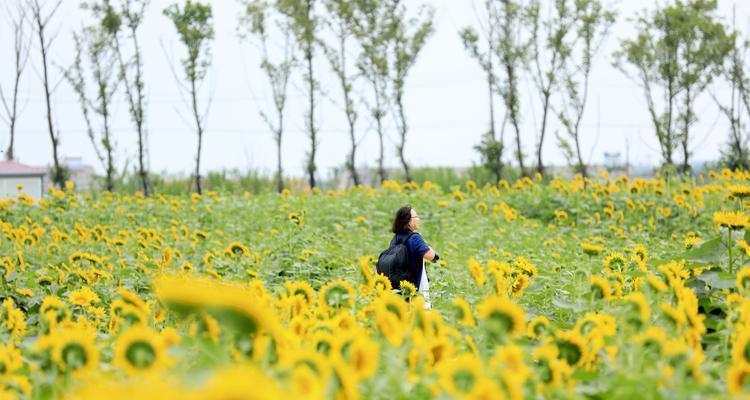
<point>446,103</point>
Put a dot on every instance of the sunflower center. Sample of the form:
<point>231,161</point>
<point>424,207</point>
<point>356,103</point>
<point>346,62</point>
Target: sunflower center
<point>569,351</point>
<point>323,347</point>
<point>302,293</point>
<point>141,354</point>
<point>74,356</point>
<point>546,372</point>
<point>587,326</point>
<point>500,322</point>
<point>653,346</point>
<point>464,380</point>
<point>336,297</point>
<point>392,308</point>
<point>539,329</point>
<point>745,282</point>
<point>746,353</point>
<point>598,291</point>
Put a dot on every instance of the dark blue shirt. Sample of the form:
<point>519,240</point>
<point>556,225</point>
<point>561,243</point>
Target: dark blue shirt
<point>417,249</point>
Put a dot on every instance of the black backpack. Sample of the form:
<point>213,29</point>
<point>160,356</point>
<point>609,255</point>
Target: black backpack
<point>394,262</point>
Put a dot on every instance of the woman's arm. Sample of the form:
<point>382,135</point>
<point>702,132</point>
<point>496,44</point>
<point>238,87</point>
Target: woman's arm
<point>429,255</point>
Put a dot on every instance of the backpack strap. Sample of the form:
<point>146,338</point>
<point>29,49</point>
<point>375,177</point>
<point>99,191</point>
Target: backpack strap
<point>406,239</point>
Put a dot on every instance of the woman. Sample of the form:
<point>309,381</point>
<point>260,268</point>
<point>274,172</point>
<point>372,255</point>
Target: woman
<point>406,222</point>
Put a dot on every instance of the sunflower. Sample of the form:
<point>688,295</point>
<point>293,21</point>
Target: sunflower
<point>336,295</point>
<point>297,218</point>
<point>141,350</point>
<point>83,297</point>
<point>657,283</point>
<point>381,283</point>
<point>592,249</point>
<point>240,382</point>
<point>743,279</point>
<point>739,191</point>
<point>14,319</point>
<point>640,305</point>
<point>10,360</point>
<point>600,288</point>
<point>691,241</point>
<point>463,312</point>
<point>390,327</point>
<point>503,316</point>
<point>741,347</point>
<point>407,289</point>
<point>236,249</point>
<point>73,349</point>
<point>731,219</point>
<point>361,354</point>
<point>476,271</point>
<point>552,371</point>
<point>322,341</point>
<point>538,327</point>
<point>305,384</point>
<point>393,304</point>
<point>300,288</point>
<point>460,375</point>
<point>571,347</point>
<point>133,299</point>
<point>615,262</point>
<point>653,339</point>
<point>737,378</point>
<point>675,315</point>
<point>243,308</point>
<point>313,360</point>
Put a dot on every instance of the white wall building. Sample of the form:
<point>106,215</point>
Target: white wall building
<point>17,178</point>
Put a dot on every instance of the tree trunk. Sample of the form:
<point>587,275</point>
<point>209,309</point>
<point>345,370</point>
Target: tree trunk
<point>686,134</point>
<point>311,117</point>
<point>539,165</point>
<point>199,126</point>
<point>279,171</point>
<point>139,116</point>
<point>58,173</point>
<point>402,145</point>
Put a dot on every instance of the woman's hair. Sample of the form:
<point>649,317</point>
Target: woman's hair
<point>402,219</point>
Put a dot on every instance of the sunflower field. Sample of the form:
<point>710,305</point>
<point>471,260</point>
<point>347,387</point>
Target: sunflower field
<point>587,288</point>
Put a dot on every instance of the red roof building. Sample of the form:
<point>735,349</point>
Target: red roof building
<point>15,168</point>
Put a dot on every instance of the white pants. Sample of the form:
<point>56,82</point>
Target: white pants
<point>424,287</point>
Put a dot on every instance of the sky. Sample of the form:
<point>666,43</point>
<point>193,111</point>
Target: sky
<point>445,102</point>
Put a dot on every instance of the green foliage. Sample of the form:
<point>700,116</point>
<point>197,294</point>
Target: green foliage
<point>679,49</point>
<point>193,22</point>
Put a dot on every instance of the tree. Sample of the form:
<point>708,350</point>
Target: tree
<point>340,22</point>
<point>257,21</point>
<point>41,16</point>
<point>491,147</point>
<point>21,49</point>
<point>409,38</point>
<point>550,47</point>
<point>736,155</point>
<point>130,15</point>
<point>591,25</point>
<point>676,53</point>
<point>194,26</point>
<point>511,50</point>
<point>374,33</point>
<point>95,42</point>
<point>305,25</point>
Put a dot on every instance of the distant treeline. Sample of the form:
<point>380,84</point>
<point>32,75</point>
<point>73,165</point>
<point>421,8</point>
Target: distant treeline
<point>678,52</point>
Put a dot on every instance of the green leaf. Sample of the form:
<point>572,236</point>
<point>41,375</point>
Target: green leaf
<point>709,251</point>
<point>718,279</point>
